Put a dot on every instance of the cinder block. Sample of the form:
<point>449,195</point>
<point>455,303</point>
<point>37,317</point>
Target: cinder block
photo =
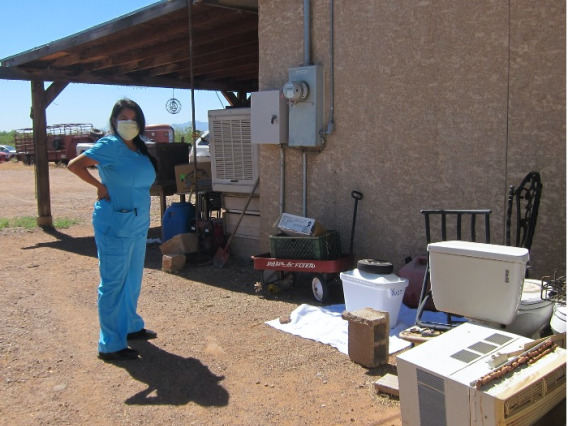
<point>368,336</point>
<point>173,263</point>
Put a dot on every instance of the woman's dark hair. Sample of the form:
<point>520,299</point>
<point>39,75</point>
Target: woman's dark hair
<point>140,120</point>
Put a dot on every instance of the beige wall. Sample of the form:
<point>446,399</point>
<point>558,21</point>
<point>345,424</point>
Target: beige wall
<point>438,104</point>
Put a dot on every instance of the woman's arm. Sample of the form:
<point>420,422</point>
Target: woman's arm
<point>80,166</point>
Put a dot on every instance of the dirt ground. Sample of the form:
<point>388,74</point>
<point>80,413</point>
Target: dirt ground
<point>215,361</point>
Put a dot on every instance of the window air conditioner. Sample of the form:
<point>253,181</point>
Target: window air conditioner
<point>234,159</point>
<point>439,381</point>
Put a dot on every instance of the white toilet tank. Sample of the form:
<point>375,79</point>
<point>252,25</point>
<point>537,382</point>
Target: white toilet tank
<point>476,280</point>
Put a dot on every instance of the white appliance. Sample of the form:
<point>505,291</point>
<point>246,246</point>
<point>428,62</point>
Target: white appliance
<point>437,381</point>
<point>234,159</point>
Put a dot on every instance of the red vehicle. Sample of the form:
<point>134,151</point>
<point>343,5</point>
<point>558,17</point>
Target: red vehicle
<point>62,140</point>
<point>159,133</point>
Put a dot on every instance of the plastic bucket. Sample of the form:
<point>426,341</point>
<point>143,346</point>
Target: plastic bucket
<point>558,320</point>
<point>176,220</point>
<point>380,292</point>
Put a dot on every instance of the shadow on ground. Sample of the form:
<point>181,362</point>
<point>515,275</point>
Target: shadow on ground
<point>172,379</point>
<point>84,246</point>
<point>238,274</point>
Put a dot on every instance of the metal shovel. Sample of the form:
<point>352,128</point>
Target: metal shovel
<point>222,254</point>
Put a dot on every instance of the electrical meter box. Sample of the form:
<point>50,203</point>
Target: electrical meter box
<point>269,118</point>
<point>304,91</point>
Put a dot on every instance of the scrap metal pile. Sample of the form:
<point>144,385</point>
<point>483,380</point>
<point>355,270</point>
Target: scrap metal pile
<point>528,357</point>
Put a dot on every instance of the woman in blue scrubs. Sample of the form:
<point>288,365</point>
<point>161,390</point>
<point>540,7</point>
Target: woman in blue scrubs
<point>121,219</point>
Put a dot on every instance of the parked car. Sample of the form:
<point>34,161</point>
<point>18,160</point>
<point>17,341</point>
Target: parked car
<point>10,151</point>
<point>202,144</point>
<point>3,157</point>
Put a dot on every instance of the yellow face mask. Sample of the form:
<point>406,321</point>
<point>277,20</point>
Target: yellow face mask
<point>127,129</point>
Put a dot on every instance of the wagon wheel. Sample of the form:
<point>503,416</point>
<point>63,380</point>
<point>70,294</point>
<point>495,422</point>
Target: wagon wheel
<point>320,288</point>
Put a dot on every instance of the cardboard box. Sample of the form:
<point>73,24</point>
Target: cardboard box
<point>185,177</point>
<point>293,225</point>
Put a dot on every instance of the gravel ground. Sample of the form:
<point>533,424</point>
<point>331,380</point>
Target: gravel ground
<point>215,361</point>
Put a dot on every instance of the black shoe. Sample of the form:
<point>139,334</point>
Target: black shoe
<point>143,334</point>
<point>120,355</point>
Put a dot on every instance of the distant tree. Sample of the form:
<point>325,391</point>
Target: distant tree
<point>8,138</point>
<point>186,134</point>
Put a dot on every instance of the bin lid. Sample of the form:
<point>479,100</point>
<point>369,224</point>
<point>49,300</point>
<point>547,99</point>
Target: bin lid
<point>366,278</point>
<point>481,250</point>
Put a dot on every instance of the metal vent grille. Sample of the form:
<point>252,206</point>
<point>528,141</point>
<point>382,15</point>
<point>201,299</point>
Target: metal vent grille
<point>431,399</point>
<point>498,339</point>
<point>535,392</point>
<point>233,150</point>
<point>482,347</point>
<point>430,380</point>
<point>465,356</point>
<point>233,157</point>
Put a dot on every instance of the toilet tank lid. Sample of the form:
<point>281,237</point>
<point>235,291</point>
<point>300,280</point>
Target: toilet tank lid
<point>481,250</point>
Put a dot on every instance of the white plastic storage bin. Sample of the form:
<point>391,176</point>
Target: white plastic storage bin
<point>380,292</point>
<point>479,281</point>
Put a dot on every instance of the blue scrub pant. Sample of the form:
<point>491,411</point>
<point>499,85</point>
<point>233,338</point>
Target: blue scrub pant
<point>121,264</point>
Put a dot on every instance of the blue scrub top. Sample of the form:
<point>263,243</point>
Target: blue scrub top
<point>128,176</point>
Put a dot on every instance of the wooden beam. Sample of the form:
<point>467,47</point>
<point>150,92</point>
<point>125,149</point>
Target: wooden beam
<point>127,80</point>
<point>109,28</point>
<point>239,99</point>
<point>121,45</point>
<point>53,91</point>
<point>44,218</point>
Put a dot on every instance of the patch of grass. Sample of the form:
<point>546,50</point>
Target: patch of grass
<point>26,222</point>
<point>65,223</point>
<point>29,222</point>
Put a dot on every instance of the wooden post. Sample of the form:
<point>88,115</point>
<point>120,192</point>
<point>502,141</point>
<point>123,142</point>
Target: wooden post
<point>44,218</point>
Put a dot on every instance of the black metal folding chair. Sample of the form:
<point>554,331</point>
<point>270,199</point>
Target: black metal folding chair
<point>449,227</point>
<point>524,201</point>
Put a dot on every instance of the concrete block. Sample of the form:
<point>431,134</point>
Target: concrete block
<point>173,263</point>
<point>368,336</point>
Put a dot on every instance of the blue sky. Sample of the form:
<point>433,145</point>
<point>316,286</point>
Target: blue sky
<point>31,23</point>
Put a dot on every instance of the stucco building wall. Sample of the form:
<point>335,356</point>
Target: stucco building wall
<point>438,104</point>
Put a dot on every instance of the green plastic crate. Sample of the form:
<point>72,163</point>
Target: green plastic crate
<point>324,247</point>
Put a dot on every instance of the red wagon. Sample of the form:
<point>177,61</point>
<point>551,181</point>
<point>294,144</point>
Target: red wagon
<point>324,272</point>
<point>324,263</point>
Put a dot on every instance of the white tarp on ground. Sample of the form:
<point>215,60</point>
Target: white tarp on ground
<point>325,325</point>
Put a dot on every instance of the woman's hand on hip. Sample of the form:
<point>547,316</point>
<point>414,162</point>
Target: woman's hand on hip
<point>102,193</point>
